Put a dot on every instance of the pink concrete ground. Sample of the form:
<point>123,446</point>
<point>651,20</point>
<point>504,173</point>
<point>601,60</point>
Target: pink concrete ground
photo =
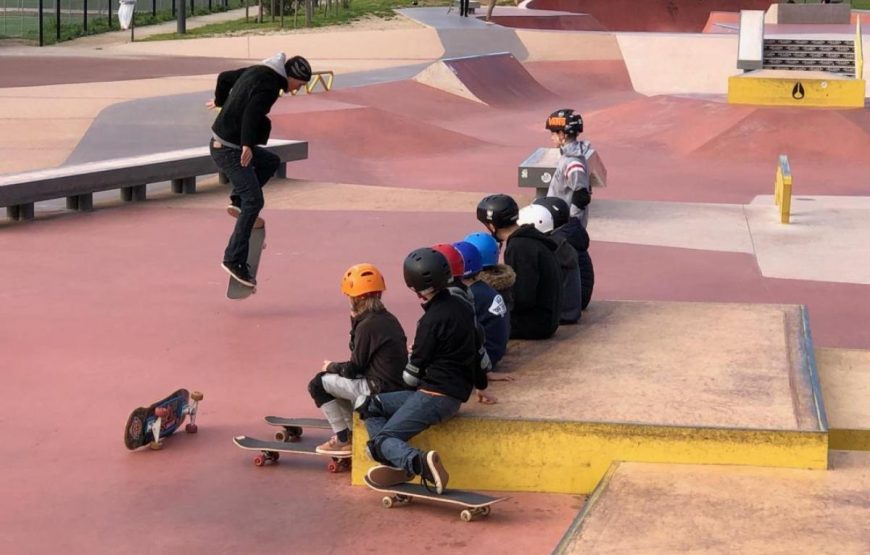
<point>107,311</point>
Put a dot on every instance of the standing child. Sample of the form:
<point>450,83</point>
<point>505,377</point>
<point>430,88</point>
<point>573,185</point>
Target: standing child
<point>443,367</point>
<point>378,354</point>
<point>571,177</point>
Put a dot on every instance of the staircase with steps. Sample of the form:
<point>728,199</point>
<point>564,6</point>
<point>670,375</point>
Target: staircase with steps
<point>832,55</point>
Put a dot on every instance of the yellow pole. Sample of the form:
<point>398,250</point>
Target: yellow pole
<point>859,51</point>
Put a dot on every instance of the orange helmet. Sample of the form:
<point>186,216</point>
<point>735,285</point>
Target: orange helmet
<point>361,279</point>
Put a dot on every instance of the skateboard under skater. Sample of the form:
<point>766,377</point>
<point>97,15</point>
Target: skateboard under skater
<point>293,426</point>
<point>236,290</point>
<point>164,416</point>
<point>270,452</point>
<point>474,504</point>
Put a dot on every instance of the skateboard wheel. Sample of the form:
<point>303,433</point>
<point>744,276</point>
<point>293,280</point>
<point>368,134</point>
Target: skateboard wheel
<point>162,412</point>
<point>466,516</point>
<point>332,467</point>
<point>281,436</point>
<point>191,428</point>
<point>387,502</point>
<point>196,396</point>
<point>156,445</point>
<point>259,460</point>
<point>484,511</point>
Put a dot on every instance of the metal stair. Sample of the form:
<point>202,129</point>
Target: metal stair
<point>834,56</point>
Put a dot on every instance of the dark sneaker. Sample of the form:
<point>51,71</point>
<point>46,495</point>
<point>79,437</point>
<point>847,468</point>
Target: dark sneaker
<point>388,476</point>
<point>240,273</point>
<point>434,474</point>
<point>234,211</point>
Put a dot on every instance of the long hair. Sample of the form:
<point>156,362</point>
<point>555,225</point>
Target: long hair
<point>370,302</point>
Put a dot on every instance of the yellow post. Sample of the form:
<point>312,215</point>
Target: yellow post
<point>859,50</point>
<point>782,189</point>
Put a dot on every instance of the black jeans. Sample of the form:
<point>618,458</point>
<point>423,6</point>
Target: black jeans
<point>247,183</point>
<point>463,8</point>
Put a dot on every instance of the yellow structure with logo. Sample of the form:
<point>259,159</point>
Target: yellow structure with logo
<point>779,87</point>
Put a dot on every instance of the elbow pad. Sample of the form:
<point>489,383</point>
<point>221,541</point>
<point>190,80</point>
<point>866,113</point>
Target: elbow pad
<point>581,198</point>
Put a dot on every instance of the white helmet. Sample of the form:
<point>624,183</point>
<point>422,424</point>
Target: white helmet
<point>538,216</point>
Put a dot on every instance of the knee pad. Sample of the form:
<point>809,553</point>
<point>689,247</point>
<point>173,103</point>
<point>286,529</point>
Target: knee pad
<point>317,392</point>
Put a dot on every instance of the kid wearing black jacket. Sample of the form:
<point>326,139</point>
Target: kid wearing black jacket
<point>444,369</point>
<point>537,291</point>
<point>245,97</point>
<point>378,355</point>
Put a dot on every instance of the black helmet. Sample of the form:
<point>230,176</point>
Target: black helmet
<point>558,209</point>
<point>499,210</point>
<point>565,120</point>
<point>427,271</point>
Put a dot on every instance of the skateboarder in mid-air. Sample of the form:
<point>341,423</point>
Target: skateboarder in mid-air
<point>245,97</point>
<point>443,367</point>
<point>378,354</point>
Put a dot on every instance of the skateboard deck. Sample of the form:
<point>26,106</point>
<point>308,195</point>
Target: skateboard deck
<point>293,426</point>
<point>473,504</point>
<point>236,290</point>
<point>270,450</point>
<point>165,416</point>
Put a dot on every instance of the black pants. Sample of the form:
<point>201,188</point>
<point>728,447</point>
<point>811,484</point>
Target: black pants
<point>463,8</point>
<point>247,183</point>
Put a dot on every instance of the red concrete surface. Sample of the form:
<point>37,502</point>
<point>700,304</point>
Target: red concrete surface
<point>108,311</point>
<point>723,22</point>
<point>579,22</point>
<point>32,71</point>
<point>685,16</point>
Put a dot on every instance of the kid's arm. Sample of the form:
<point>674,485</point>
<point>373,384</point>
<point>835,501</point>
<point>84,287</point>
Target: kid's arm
<point>225,82</point>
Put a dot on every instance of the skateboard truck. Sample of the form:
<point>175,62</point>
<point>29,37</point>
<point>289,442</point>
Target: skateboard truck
<point>163,412</point>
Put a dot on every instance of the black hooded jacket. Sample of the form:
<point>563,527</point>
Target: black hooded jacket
<point>245,97</point>
<point>537,292</point>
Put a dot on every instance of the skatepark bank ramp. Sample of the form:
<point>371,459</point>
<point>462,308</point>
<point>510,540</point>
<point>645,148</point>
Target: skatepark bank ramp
<point>497,80</point>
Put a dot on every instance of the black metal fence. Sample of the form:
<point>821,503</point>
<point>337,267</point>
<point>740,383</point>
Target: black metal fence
<point>49,21</point>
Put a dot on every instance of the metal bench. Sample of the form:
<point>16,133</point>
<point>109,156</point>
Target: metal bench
<point>78,183</point>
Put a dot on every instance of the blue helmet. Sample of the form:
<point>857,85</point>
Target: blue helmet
<point>487,246</point>
<point>471,257</point>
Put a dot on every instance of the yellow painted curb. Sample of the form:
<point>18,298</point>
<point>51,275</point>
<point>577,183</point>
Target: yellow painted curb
<point>796,90</point>
<point>572,457</point>
<point>849,440</point>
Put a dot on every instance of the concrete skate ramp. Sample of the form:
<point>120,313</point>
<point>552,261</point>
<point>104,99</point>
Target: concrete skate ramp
<point>572,22</point>
<point>498,80</point>
<point>681,16</point>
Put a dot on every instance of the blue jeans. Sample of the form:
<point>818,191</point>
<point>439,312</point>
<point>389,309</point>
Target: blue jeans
<point>247,183</point>
<point>395,417</point>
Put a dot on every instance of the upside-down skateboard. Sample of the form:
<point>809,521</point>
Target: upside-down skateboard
<point>236,290</point>
<point>474,504</point>
<point>269,452</point>
<point>293,426</point>
<point>164,416</point>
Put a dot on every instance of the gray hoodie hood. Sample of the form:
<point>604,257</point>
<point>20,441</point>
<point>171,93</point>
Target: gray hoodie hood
<point>276,64</point>
<point>575,148</point>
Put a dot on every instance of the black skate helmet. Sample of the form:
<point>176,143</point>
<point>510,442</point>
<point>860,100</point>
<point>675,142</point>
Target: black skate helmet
<point>499,210</point>
<point>558,209</point>
<point>427,271</point>
<point>565,120</point>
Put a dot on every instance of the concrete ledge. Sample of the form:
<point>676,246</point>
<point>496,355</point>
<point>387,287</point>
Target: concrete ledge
<point>722,509</point>
<point>796,88</point>
<point>845,377</point>
<point>703,383</point>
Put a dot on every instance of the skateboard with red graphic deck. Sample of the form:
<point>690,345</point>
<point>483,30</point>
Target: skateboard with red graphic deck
<point>270,452</point>
<point>162,417</point>
<point>473,504</point>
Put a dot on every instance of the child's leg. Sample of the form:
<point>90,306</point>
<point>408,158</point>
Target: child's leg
<point>417,413</point>
<point>380,408</point>
<point>345,391</point>
<point>325,401</point>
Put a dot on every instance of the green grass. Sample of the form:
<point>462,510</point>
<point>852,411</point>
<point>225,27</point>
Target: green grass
<point>320,18</point>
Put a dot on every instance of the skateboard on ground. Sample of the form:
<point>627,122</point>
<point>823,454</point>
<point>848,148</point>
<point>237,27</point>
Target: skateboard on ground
<point>293,426</point>
<point>474,504</point>
<point>164,416</point>
<point>270,452</point>
<point>236,290</point>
